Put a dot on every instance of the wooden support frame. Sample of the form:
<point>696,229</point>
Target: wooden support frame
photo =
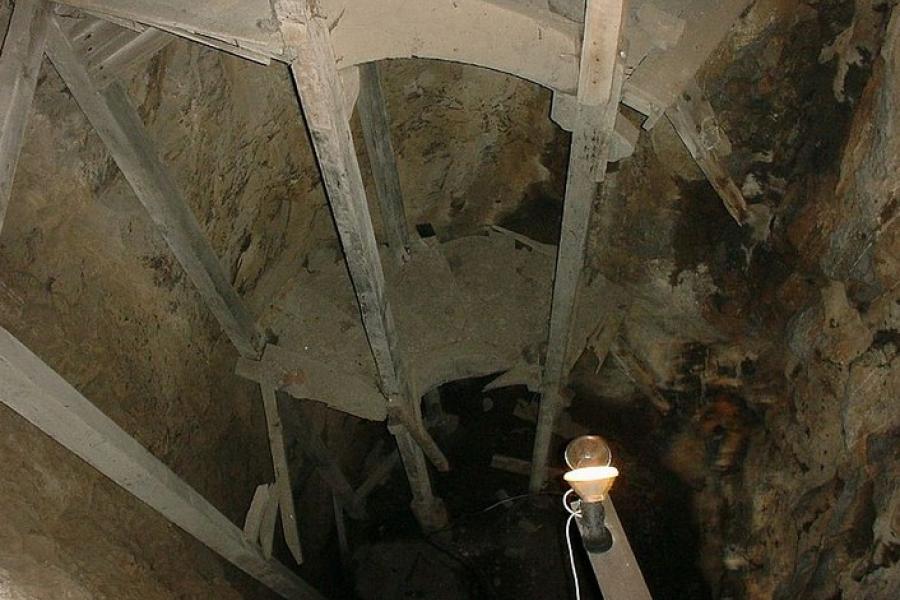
<point>140,47</point>
<point>321,96</point>
<point>662,76</point>
<point>37,393</point>
<point>695,121</point>
<point>599,89</point>
<point>321,457</point>
<point>283,488</point>
<point>20,65</point>
<point>377,134</point>
<point>118,124</point>
<point>616,570</point>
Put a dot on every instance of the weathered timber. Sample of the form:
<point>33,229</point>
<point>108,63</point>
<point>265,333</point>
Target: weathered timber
<point>37,393</point>
<point>283,488</point>
<point>601,67</point>
<point>20,65</point>
<point>697,126</point>
<point>662,76</point>
<point>376,130</point>
<point>616,570</point>
<point>304,377</point>
<point>321,96</point>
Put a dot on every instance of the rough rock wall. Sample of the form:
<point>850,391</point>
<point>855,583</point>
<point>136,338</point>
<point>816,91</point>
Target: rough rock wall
<point>475,147</point>
<point>91,288</point>
<point>776,347</point>
<point>825,477</point>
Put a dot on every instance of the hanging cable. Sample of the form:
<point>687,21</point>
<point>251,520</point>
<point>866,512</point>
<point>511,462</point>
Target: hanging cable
<point>573,514</point>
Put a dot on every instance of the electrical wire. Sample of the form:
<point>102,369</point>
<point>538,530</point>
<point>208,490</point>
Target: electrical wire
<point>573,514</point>
<point>497,504</point>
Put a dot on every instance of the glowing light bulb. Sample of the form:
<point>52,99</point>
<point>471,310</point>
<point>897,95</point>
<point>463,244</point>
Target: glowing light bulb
<point>588,451</point>
<point>591,476</point>
<point>592,483</point>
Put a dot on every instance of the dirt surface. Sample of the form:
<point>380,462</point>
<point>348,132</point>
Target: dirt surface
<point>516,548</point>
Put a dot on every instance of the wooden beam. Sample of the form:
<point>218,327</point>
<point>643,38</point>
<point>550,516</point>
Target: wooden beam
<point>616,570</point>
<point>599,90</point>
<point>428,509</point>
<point>20,65</point>
<point>136,49</point>
<point>695,121</point>
<point>377,134</point>
<point>305,378</point>
<point>119,126</point>
<point>46,400</point>
<point>640,376</point>
<point>283,488</point>
<point>662,76</point>
<point>323,460</point>
<point>321,95</point>
<point>377,476</point>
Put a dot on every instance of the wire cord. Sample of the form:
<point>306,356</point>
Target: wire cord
<point>573,514</point>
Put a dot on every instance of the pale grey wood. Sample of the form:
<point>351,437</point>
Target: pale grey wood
<point>137,49</point>
<point>695,121</point>
<point>269,519</point>
<point>254,517</point>
<point>85,28</point>
<point>640,376</point>
<point>377,476</point>
<point>20,65</point>
<point>118,124</point>
<point>428,509</point>
<point>99,48</point>
<point>616,570</point>
<point>322,98</point>
<point>590,150</point>
<point>340,526</point>
<point>37,393</point>
<point>324,461</point>
<point>662,76</point>
<point>283,488</point>
<point>303,377</point>
<point>377,135</point>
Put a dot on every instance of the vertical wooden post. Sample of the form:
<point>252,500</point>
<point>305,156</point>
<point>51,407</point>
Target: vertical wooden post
<point>20,65</point>
<point>283,487</point>
<point>119,126</point>
<point>321,96</point>
<point>377,134</point>
<point>599,89</point>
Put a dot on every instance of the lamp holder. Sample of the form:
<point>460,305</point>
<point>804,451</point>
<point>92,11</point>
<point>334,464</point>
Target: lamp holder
<point>595,535</point>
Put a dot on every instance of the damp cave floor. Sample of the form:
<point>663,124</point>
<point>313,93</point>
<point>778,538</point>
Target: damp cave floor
<point>497,550</point>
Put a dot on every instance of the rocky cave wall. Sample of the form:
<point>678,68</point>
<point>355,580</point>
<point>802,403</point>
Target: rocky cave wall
<point>776,344</point>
